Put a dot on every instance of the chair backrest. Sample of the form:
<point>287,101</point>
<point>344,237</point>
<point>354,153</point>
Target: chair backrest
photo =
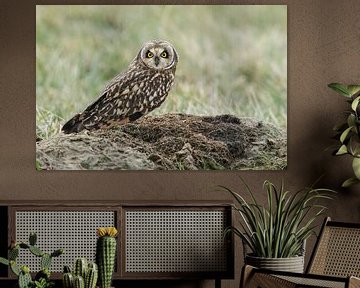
<point>337,251</point>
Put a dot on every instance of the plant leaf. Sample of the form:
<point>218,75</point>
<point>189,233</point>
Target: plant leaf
<point>356,167</point>
<point>279,228</point>
<point>345,134</point>
<point>4,261</point>
<point>349,182</point>
<point>354,145</point>
<point>342,150</point>
<point>353,89</point>
<point>355,103</point>
<point>14,268</point>
<point>351,120</point>
<point>340,88</point>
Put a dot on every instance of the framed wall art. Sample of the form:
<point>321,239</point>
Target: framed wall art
<point>161,87</point>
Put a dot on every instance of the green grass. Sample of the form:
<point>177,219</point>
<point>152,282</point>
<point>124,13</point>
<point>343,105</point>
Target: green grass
<point>233,59</point>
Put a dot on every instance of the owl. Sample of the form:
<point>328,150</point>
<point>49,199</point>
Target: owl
<point>132,94</point>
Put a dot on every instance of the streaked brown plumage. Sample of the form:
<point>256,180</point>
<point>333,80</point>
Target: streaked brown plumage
<point>132,94</point>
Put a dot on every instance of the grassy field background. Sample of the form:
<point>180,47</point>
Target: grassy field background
<point>233,59</point>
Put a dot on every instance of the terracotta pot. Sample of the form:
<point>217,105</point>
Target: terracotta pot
<point>291,264</point>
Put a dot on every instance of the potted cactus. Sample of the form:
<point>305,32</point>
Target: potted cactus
<point>42,278</point>
<point>106,254</point>
<point>84,275</point>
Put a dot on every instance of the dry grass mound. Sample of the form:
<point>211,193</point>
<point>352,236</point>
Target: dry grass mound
<point>170,142</point>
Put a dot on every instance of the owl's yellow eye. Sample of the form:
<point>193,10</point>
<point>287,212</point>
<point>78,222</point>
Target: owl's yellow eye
<point>149,54</point>
<point>164,54</point>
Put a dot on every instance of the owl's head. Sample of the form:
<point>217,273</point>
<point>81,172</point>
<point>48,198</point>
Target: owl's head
<point>158,55</point>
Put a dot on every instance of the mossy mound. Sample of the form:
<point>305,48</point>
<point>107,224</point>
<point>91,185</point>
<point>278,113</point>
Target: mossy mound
<point>170,142</point>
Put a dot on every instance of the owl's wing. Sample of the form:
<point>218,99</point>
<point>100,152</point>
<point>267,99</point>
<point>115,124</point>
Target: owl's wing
<point>107,109</point>
<point>76,124</point>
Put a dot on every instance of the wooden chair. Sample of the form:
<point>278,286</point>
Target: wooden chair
<point>334,263</point>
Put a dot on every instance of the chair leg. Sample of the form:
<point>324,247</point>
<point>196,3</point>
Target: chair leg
<point>246,274</point>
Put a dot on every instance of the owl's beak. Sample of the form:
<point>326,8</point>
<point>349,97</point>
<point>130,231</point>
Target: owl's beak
<point>157,60</point>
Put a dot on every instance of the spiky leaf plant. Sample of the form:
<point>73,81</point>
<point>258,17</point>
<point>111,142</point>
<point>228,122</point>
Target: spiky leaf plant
<point>348,132</point>
<point>279,229</point>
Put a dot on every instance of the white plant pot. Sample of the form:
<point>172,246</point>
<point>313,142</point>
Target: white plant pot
<point>291,264</point>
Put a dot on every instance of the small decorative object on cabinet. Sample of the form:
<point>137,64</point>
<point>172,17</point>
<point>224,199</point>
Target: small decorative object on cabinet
<point>349,131</point>
<point>85,274</point>
<point>42,278</point>
<point>276,234</point>
<point>106,254</point>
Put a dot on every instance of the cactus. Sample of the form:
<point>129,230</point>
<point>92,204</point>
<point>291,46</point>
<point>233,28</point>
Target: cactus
<point>91,276</point>
<point>45,261</point>
<point>57,253</point>
<point>25,269</point>
<point>79,282</point>
<point>105,254</point>
<point>89,272</point>
<point>14,268</point>
<point>68,280</point>
<point>24,245</point>
<point>44,273</point>
<point>80,267</point>
<point>32,238</point>
<point>36,251</point>
<point>13,253</point>
<point>4,261</point>
<point>67,269</point>
<point>24,278</point>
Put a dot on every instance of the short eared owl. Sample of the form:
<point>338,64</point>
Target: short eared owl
<point>132,94</point>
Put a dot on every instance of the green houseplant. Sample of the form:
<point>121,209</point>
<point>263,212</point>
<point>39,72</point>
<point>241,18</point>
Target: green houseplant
<point>106,254</point>
<point>84,274</point>
<point>276,233</point>
<point>42,278</point>
<point>348,132</point>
